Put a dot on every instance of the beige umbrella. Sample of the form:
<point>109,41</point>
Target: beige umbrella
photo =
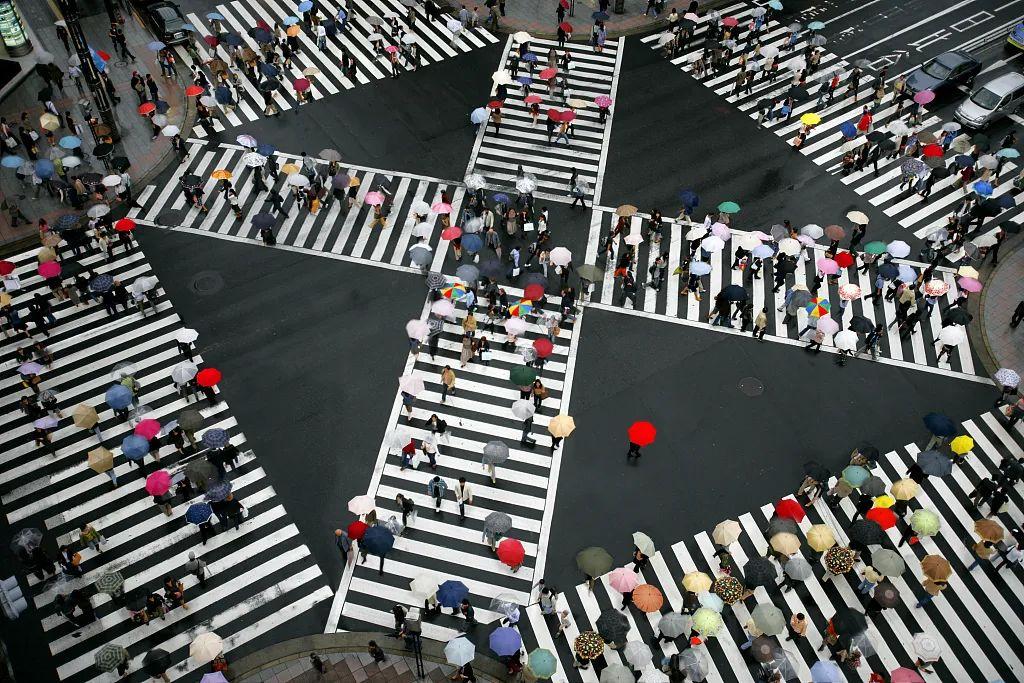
<point>46,254</point>
<point>577,103</point>
<point>626,210</point>
<point>85,416</point>
<point>904,489</point>
<point>521,37</point>
<point>697,582</point>
<point>858,217</point>
<point>785,543</point>
<point>643,542</point>
<point>310,71</point>
<point>49,122</point>
<point>561,426</point>
<point>5,299</point>
<point>989,530</point>
<point>726,532</point>
<point>820,537</point>
<point>206,647</point>
<point>936,567</point>
<point>100,459</point>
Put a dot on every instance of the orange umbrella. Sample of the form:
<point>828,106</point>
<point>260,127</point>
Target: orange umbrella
<point>293,30</point>
<point>648,598</point>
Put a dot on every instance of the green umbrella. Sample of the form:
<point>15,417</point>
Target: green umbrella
<point>109,583</point>
<point>594,561</point>
<point>855,475</point>
<point>190,420</point>
<point>590,272</point>
<point>522,375</point>
<point>707,621</point>
<point>875,248</point>
<point>542,663</point>
<point>925,522</point>
<point>729,207</point>
<point>109,657</point>
<point>888,562</point>
<point>769,618</point>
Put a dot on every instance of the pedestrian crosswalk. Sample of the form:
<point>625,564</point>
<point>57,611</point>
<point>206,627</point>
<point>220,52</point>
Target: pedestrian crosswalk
<point>434,42</point>
<point>441,545</point>
<point>976,621</point>
<point>334,229</point>
<point>526,147</point>
<point>260,576</point>
<point>921,347</point>
<point>825,143</point>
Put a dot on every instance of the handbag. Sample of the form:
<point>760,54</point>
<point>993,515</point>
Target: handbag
<point>485,355</point>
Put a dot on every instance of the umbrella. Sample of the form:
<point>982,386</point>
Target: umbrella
<point>711,601</point>
<point>905,675</point>
<point>734,293</point>
<point>769,619</point>
<point>849,622</point>
<point>927,647</point>
<point>866,531</point>
<point>798,569</point>
<point>357,529</point>
<point>648,598</point>
<point>888,562</point>
<point>726,532</point>
<point>872,486</point>
<point>28,539</point>
<point>642,433</point>
<point>706,622</point>
<point>936,567</point>
<point>934,463</point>
<point>594,561</point>
<point>411,384</point>
<point>939,424</point>
<point>118,397</point>
<point>826,672</point>
<point>377,541</point>
<point>158,483</point>
<point>1007,377</point>
<point>208,377</point>
<point>855,475</point>
<point>452,593</point>
<point>109,582</point>
<point>643,542</point>
<point>817,471</point>
<point>675,624</point>
<point>422,586</point>
<point>962,444</point>
<point>785,543</point>
<point>110,656</point>
<point>215,438</point>
<point>790,509</point>
<point>197,513</point>
<point>925,522</point>
<point>542,663</point>
<point>696,582</point>
<point>904,489</point>
<point>523,409</point>
<point>522,375</point>
<point>495,453</point>
<point>361,505</point>
<point>989,530</point>
<point>638,654</point>
<point>779,525</point>
<point>206,647</point>
<point>760,571</point>
<point>613,626</point>
<point>588,645</point>
<point>459,651</point>
<point>190,420</point>
<point>840,559</point>
<point>201,472</point>
<point>504,641</point>
<point>728,588</point>
<point>623,580</point>
<point>147,428</point>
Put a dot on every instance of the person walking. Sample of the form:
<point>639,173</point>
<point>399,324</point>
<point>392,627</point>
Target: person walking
<point>932,588</point>
<point>463,495</point>
<point>797,626</point>
<point>197,568</point>
<point>633,452</point>
<point>437,489</point>
<point>447,382</point>
<point>90,537</point>
<point>408,509</point>
<point>343,543</point>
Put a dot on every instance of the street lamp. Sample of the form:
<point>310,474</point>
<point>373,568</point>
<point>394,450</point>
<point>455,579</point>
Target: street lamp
<point>69,9</point>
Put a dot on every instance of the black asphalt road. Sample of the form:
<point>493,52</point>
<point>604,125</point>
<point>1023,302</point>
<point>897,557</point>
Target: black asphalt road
<point>719,452</point>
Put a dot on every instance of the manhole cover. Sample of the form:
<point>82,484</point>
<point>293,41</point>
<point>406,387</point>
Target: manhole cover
<point>171,218</point>
<point>751,386</point>
<point>207,282</point>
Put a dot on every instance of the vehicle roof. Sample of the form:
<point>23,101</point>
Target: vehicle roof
<point>1002,85</point>
<point>956,58</point>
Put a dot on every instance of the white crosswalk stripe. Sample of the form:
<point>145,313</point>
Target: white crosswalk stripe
<point>434,43</point>
<point>921,347</point>
<point>260,576</point>
<point>524,145</point>
<point>442,545</point>
<point>825,143</point>
<point>976,620</point>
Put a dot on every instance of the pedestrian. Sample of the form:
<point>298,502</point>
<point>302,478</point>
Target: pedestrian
<point>196,567</point>
<point>437,489</point>
<point>467,611</point>
<point>633,452</point>
<point>90,537</point>
<point>372,648</point>
<point>408,509</point>
<point>463,495</point>
<point>983,551</point>
<point>70,560</point>
<point>932,588</point>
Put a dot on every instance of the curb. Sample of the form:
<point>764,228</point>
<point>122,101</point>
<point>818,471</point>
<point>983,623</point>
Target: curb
<point>978,335</point>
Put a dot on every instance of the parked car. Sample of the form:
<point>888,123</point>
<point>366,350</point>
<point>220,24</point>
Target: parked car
<point>165,20</point>
<point>1000,96</point>
<point>1016,37</point>
<point>948,70</point>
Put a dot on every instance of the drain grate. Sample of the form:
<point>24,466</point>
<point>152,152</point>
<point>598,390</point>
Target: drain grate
<point>206,282</point>
<point>751,386</point>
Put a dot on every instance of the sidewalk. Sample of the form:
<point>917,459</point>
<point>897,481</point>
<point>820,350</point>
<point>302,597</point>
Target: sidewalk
<point>348,668</point>
<point>147,156</point>
<point>1004,289</point>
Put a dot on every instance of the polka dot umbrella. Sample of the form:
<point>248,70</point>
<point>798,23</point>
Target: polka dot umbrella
<point>728,588</point>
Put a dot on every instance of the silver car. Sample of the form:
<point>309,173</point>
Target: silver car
<point>994,100</point>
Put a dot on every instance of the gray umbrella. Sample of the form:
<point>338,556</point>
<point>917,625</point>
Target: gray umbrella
<point>523,409</point>
<point>769,618</point>
<point>760,571</point>
<point>435,326</point>
<point>435,280</point>
<point>780,525</point>
<point>467,273</point>
<point>109,657</point>
<point>613,626</point>
<point>504,603</point>
<point>190,420</point>
<point>674,624</point>
<point>110,582</point>
<point>800,298</point>
<point>798,569</point>
<point>199,472</point>
<point>888,562</point>
<point>873,486</point>
<point>497,522</point>
<point>617,673</point>
<point>421,255</point>
<point>495,453</point>
<point>695,663</point>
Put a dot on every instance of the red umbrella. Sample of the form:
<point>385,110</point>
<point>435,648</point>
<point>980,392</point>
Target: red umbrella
<point>564,4</point>
<point>124,225</point>
<point>356,530</point>
<point>146,108</point>
<point>844,259</point>
<point>301,84</point>
<point>6,267</point>
<point>790,509</point>
<point>730,21</point>
<point>543,347</point>
<point>208,377</point>
<point>533,292</point>
<point>565,26</point>
<point>263,25</point>
<point>49,269</point>
<point>567,116</point>
<point>105,56</point>
<point>548,73</point>
<point>451,232</point>
<point>642,433</point>
<point>933,150</point>
<point>495,104</point>
<point>533,99</point>
<point>884,517</point>
<point>511,552</point>
<point>211,40</point>
<point>158,483</point>
<point>193,91</point>
<point>147,429</point>
<point>555,115</point>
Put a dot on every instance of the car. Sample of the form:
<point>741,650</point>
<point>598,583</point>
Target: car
<point>165,20</point>
<point>948,70</point>
<point>1016,37</point>
<point>999,97</point>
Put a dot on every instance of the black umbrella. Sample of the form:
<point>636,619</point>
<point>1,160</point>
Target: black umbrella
<point>780,525</point>
<point>875,136</point>
<point>787,265</point>
<point>957,316</point>
<point>535,279</point>
<point>1012,227</point>
<point>104,149</point>
<point>191,181</point>
<point>815,470</point>
<point>263,220</point>
<point>887,145</point>
<point>981,140</point>
<point>888,271</point>
<point>269,85</point>
<point>866,531</point>
<point>763,649</point>
<point>45,94</point>
<point>798,93</point>
<point>859,323</point>
<point>491,268</point>
<point>940,173</point>
<point>934,464</point>
<point>136,599</point>
<point>121,163</point>
<point>1014,467</point>
<point>91,178</point>
<point>156,662</point>
<point>868,451</point>
<point>734,293</point>
<point>613,626</point>
<point>849,622</point>
<point>760,571</point>
<point>872,486</point>
<point>990,208</point>
<point>886,594</point>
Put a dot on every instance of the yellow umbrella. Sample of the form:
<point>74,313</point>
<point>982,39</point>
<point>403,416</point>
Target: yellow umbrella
<point>354,182</point>
<point>962,444</point>
<point>49,122</point>
<point>293,30</point>
<point>626,210</point>
<point>85,416</point>
<point>696,582</point>
<point>820,537</point>
<point>726,532</point>
<point>5,299</point>
<point>221,174</point>
<point>288,169</point>
<point>810,119</point>
<point>100,459</point>
<point>904,489</point>
<point>561,426</point>
<point>884,501</point>
<point>785,543</point>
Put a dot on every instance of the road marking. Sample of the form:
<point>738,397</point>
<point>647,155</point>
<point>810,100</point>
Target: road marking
<point>606,143</point>
<point>483,126</point>
<point>957,6</point>
<point>854,11</point>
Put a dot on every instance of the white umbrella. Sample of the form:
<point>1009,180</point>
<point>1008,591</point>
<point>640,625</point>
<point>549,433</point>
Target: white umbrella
<point>633,239</point>
<point>254,159</point>
<point>522,408</point>
<point>501,77</point>
<point>953,335</point>
<point>898,248</point>
<point>697,233</point>
<point>424,585</point>
<point>454,25</point>
<point>186,335</point>
<point>987,161</point>
<point>475,181</point>
<point>515,326</point>
<point>399,439</point>
<point>159,120</point>
<point>712,243</point>
<point>769,52</point>
<point>927,647</point>
<point>420,207</point>
<point>985,240</point>
<point>443,308</point>
<point>361,505</point>
<point>422,229</point>
<point>796,65</point>
<point>748,241</point>
<point>208,101</point>
<point>98,210</point>
<point>526,185</point>
<point>846,340</point>
<point>858,217</point>
<point>459,651</point>
<point>408,39</point>
<point>653,675</point>
<point>638,653</point>
<point>827,326</point>
<point>183,372</point>
<point>789,246</point>
<point>143,284</point>
<point>521,37</point>
<point>560,256</point>
<point>298,180</point>
<point>643,542</point>
<point>411,384</point>
<point>111,180</point>
<point>813,231</point>
<point>417,329</point>
<point>71,162</point>
<point>854,143</point>
<point>170,131</point>
<point>206,647</point>
<point>898,128</point>
<point>665,39</point>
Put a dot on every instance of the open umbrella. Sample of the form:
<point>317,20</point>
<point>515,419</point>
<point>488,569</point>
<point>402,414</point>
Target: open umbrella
<point>927,647</point>
<point>729,588</point>
<point>27,538</point>
<point>785,543</point>
<point>594,561</point>
<point>109,657</point>
<point>648,598</point>
<point>588,645</point>
<point>206,647</point>
<point>377,541</point>
<point>675,624</point>
<point>542,663</point>
<point>769,618</point>
<point>839,559</point>
<point>925,522</point>
<point>934,464</point>
<point>726,532</point>
<point>790,509</point>
<point>638,654</point>
<point>866,531</point>
<point>459,651</point>
<point>936,567</point>
<point>827,672</point>
<point>696,582</point>
<point>706,622</point>
<point>612,625</point>
<point>361,505</point>
<point>798,569</point>
<point>504,641</point>
<point>888,562</point>
<point>760,571</point>
<point>644,543</point>
<point>989,530</point>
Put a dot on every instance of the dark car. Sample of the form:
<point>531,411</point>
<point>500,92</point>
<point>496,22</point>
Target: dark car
<point>165,20</point>
<point>948,70</point>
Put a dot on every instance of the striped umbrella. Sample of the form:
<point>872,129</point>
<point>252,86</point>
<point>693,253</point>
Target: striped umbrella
<point>109,657</point>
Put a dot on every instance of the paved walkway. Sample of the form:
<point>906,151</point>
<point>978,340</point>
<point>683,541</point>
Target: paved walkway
<point>348,668</point>
<point>1004,289</point>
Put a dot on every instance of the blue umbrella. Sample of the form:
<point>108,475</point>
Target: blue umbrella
<point>218,491</point>
<point>450,593</point>
<point>265,149</point>
<point>305,6</point>
<point>689,198</point>
<point>290,21</point>
<point>775,5</point>
<point>1008,153</point>
<point>118,397</point>
<point>198,513</point>
<point>70,142</point>
<point>889,271</point>
<point>1006,201</point>
<point>45,169</point>
<point>529,57</point>
<point>826,672</point>
<point>500,198</point>
<point>699,268</point>
<point>232,39</point>
<point>215,15</point>
<point>816,25</point>
<point>963,160</point>
<point>156,46</point>
<point>472,243</point>
<point>982,188</point>
<point>599,16</point>
<point>906,273</point>
<point>525,80</point>
<point>478,115</point>
<point>940,425</point>
<point>162,107</point>
<point>215,438</point>
<point>222,94</point>
<point>505,641</point>
<point>134,447</point>
<point>848,129</point>
<point>188,27</point>
<point>101,283</point>
<point>11,161</point>
<point>377,541</point>
<point>268,70</point>
<point>66,222</point>
<point>262,36</point>
<point>935,464</point>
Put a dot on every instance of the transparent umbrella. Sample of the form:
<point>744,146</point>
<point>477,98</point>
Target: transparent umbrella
<point>28,539</point>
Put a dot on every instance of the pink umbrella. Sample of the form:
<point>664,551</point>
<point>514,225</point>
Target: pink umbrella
<point>936,287</point>
<point>301,84</point>
<point>451,233</point>
<point>849,292</point>
<point>441,207</point>
<point>623,579</point>
<point>805,240</point>
<point>548,73</point>
<point>49,269</point>
<point>442,307</point>
<point>827,326</point>
<point>969,283</point>
<point>417,329</point>
<point>603,101</point>
<point>158,483</point>
<point>905,675</point>
<point>762,235</point>
<point>721,230</point>
<point>147,429</point>
<point>391,48</point>
<point>827,266</point>
<point>924,97</point>
<point>374,198</point>
<point>411,384</point>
